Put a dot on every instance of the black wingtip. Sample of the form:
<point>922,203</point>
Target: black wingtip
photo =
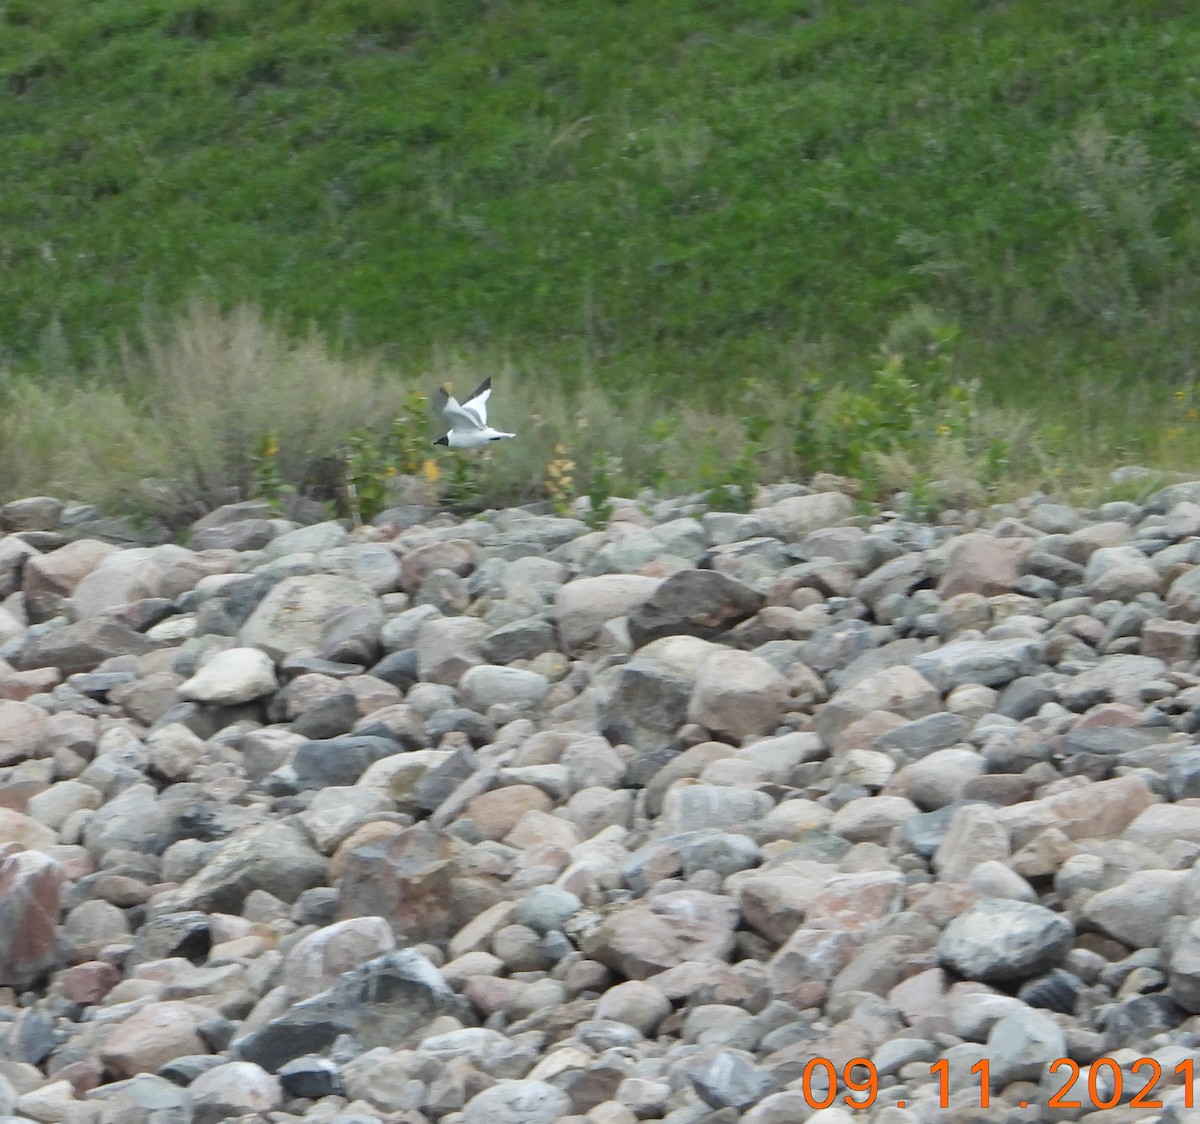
<point>485,385</point>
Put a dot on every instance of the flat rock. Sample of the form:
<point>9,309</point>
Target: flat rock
<point>295,612</point>
<point>585,605</point>
<point>796,516</point>
<point>83,646</point>
<point>991,663</point>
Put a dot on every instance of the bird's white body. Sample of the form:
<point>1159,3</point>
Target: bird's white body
<point>468,420</point>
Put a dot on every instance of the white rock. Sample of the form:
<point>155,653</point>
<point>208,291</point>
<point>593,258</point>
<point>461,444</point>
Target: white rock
<point>234,676</point>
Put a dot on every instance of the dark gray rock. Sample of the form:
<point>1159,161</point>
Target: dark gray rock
<point>185,934</point>
<point>326,762</point>
<point>520,640</point>
<point>380,1003</point>
<point>311,1077</point>
<point>398,668</point>
<point>700,603</point>
<point>648,706</point>
<point>329,717</point>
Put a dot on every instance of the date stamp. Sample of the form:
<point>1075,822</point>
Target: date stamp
<point>1105,1085</point>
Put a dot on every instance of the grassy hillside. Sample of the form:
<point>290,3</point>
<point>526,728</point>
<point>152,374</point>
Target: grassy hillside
<point>679,184</point>
<point>669,195</point>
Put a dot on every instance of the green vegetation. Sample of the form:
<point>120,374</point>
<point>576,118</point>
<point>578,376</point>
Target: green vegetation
<point>710,231</point>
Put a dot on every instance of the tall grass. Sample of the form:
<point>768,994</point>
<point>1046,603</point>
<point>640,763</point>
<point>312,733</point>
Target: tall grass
<point>198,398</point>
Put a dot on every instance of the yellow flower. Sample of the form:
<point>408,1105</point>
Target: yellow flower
<point>1179,396</point>
<point>390,471</point>
<point>943,430</point>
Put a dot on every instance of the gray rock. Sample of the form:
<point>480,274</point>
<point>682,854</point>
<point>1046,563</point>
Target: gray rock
<point>512,1101</point>
<point>521,640</point>
<point>308,540</point>
<point>729,1079</point>
<point>232,1090</point>
<point>33,513</point>
<point>795,517</point>
<point>924,735</point>
<point>700,603</point>
<point>242,535</point>
<point>447,647</point>
<point>706,806</point>
<point>381,1003</point>
<point>491,684</point>
<point>320,763</point>
<point>650,699</point>
<point>1184,970</point>
<point>546,909</point>
<point>296,611</point>
<point>989,662</point>
<point>1019,1044</point>
<point>1002,941</point>
<point>83,646</point>
<point>274,857</point>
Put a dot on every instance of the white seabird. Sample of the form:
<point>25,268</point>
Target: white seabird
<point>467,420</point>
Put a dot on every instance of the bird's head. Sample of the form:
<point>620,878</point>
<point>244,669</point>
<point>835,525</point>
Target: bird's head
<point>443,441</point>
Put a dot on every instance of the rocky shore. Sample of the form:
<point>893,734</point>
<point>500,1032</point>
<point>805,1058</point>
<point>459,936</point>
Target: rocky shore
<point>705,816</point>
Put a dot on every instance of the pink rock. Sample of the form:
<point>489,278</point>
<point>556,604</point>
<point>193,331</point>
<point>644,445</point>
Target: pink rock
<point>30,896</point>
<point>773,901</point>
<point>22,727</point>
<point>1096,811</point>
<point>154,1035</point>
<point>646,937</point>
<point>19,685</point>
<point>980,563</point>
<point>1171,641</point>
<point>854,901</point>
<point>1110,714</point>
<point>24,830</point>
<point>738,694</point>
<point>921,999</point>
<point>49,578</point>
<point>88,982</point>
<point>899,690</point>
<point>457,555</point>
<point>496,813</point>
<point>584,605</point>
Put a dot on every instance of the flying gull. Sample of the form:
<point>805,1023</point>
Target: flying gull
<point>467,420</point>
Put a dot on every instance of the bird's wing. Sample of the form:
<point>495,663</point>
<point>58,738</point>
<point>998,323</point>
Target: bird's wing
<point>455,415</point>
<point>476,404</point>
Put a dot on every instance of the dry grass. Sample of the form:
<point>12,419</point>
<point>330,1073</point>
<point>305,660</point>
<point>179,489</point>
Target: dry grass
<point>194,401</point>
